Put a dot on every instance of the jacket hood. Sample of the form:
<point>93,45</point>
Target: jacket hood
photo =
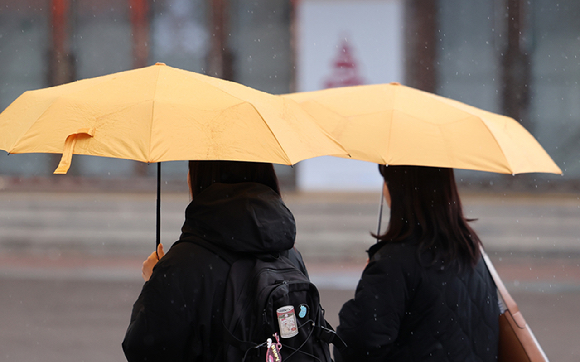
<point>242,217</point>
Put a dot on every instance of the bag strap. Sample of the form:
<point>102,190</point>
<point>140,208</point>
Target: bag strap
<point>529,344</point>
<point>507,298</point>
<point>328,335</point>
<point>510,303</point>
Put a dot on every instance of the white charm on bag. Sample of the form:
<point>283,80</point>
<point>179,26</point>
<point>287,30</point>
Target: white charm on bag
<point>287,321</point>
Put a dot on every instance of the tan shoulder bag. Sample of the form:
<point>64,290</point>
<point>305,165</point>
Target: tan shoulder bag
<point>516,340</point>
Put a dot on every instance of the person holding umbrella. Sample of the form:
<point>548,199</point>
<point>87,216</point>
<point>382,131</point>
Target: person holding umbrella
<point>235,206</point>
<point>426,293</point>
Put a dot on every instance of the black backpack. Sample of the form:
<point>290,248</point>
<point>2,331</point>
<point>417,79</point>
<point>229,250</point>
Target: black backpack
<point>267,299</point>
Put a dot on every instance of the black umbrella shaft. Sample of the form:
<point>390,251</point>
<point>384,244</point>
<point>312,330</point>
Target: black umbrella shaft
<point>380,212</point>
<point>158,221</point>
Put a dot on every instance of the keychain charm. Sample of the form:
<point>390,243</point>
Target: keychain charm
<point>273,349</point>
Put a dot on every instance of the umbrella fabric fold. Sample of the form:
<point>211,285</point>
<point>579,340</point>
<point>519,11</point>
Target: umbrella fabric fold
<point>397,125</point>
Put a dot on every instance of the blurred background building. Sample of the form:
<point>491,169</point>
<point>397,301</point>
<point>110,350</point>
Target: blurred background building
<point>514,57</point>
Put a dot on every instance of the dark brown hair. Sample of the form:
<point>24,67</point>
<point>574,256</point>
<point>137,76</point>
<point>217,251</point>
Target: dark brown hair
<point>205,173</point>
<point>425,207</point>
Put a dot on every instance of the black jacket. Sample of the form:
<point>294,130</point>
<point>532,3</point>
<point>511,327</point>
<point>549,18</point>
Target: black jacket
<point>406,310</point>
<point>177,316</point>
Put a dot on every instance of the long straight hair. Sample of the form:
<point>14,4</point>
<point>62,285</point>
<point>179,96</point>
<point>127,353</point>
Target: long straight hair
<point>203,174</point>
<point>425,207</point>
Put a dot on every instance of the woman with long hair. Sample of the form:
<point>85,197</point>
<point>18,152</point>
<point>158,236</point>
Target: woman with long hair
<point>235,206</point>
<point>426,294</point>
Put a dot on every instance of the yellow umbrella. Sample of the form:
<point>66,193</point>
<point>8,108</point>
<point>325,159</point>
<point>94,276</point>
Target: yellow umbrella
<point>160,113</point>
<point>397,125</point>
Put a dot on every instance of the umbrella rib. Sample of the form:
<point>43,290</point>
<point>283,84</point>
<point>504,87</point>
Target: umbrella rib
<point>257,111</point>
<point>468,109</point>
<point>152,115</point>
<point>270,129</point>
<point>390,136</point>
<point>498,144</point>
<point>33,123</point>
<point>62,96</point>
<point>28,129</point>
<point>219,88</point>
<point>490,133</point>
<point>261,117</point>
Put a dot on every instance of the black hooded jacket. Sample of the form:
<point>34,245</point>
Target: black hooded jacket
<point>407,308</point>
<point>177,316</point>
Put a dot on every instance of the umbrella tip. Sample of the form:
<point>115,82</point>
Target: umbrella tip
<point>159,63</point>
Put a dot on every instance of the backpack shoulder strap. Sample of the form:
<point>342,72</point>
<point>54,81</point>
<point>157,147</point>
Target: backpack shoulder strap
<point>327,334</point>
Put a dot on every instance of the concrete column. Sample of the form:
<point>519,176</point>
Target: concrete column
<point>516,67</point>
<point>139,15</point>
<point>61,62</point>
<point>220,62</point>
<point>421,44</point>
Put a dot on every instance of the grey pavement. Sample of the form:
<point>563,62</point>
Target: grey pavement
<point>70,262</point>
<point>71,316</point>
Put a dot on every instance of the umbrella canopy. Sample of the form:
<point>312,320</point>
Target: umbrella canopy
<point>397,125</point>
<point>160,113</point>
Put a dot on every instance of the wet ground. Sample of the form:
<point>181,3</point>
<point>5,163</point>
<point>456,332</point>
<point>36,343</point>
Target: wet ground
<point>70,263</point>
<point>76,313</point>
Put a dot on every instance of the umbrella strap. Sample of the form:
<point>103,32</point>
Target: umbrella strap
<point>69,145</point>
